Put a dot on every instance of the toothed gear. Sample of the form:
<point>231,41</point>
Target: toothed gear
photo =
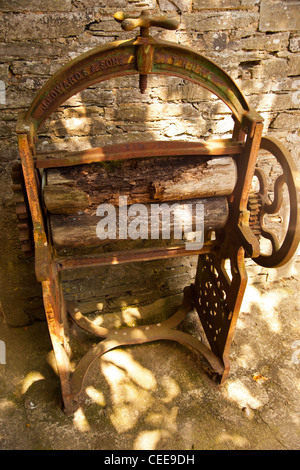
<point>254,206</point>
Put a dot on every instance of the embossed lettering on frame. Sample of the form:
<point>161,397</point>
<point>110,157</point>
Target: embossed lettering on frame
<point>88,70</point>
<point>182,63</point>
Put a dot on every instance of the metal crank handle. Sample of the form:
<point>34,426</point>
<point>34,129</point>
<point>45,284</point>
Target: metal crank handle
<point>146,21</point>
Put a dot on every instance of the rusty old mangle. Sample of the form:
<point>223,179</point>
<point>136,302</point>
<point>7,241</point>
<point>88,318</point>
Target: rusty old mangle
<point>238,226</point>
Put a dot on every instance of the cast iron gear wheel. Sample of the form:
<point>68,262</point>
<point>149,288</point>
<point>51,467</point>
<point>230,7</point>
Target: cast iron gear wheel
<point>22,210</point>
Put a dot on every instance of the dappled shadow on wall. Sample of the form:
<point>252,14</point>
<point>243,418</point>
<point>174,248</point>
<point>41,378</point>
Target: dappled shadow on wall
<point>115,111</point>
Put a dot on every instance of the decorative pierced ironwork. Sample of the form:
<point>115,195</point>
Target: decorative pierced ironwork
<point>218,293</point>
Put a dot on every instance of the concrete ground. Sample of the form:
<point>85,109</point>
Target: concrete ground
<point>156,396</point>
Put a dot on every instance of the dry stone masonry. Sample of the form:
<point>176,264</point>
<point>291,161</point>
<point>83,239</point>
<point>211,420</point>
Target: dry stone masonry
<point>256,41</point>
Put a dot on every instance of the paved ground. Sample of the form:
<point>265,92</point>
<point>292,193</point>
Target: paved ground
<point>156,396</point>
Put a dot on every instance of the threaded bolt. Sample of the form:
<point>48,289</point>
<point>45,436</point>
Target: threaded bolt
<point>143,83</point>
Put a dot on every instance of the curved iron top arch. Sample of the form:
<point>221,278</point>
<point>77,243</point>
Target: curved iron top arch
<point>139,55</point>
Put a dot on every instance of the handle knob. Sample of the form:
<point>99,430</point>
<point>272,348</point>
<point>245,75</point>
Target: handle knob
<point>145,21</point>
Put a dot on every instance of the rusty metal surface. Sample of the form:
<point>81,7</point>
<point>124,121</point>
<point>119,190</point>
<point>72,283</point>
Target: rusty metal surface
<point>116,338</point>
<point>239,213</point>
<point>22,210</point>
<point>145,21</point>
<point>140,55</point>
<point>137,150</point>
<point>217,294</point>
<point>133,256</point>
<point>217,298</point>
<point>145,52</point>
<point>254,207</point>
<point>281,253</point>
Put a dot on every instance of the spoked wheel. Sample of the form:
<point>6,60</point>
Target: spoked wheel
<point>260,205</point>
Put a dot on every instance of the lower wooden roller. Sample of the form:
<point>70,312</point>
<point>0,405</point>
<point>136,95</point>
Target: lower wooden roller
<point>81,230</point>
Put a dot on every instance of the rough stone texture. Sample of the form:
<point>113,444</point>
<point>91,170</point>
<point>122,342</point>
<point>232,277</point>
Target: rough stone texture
<point>223,4</point>
<point>157,397</point>
<point>225,20</point>
<point>35,5</point>
<point>37,26</point>
<point>256,42</point>
<point>279,15</point>
<point>295,43</point>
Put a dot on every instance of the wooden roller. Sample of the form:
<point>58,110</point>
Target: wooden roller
<point>82,188</point>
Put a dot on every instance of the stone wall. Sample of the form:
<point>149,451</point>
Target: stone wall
<point>256,41</point>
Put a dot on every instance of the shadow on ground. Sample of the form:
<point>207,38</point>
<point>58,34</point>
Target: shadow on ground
<point>156,396</point>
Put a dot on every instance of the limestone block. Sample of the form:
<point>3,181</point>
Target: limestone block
<point>271,68</point>
<point>111,5</point>
<point>279,15</point>
<point>179,5</point>
<point>16,99</point>
<point>2,30</point>
<point>289,121</point>
<point>35,5</point>
<point>295,43</point>
<point>224,20</point>
<point>216,4</point>
<point>143,4</point>
<point>294,64</point>
<point>272,101</point>
<point>154,112</point>
<point>31,67</point>
<point>10,51</point>
<point>259,41</point>
<point>250,86</point>
<point>187,92</point>
<point>4,72</point>
<point>45,25</point>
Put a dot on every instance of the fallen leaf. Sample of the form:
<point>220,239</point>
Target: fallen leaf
<point>259,378</point>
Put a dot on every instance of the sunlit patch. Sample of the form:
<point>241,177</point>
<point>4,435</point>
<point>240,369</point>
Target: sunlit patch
<point>30,378</point>
<point>171,388</point>
<point>164,418</point>
<point>138,335</point>
<point>135,371</point>
<point>154,418</point>
<point>131,387</point>
<point>234,439</point>
<point>237,392</point>
<point>113,374</point>
<point>80,421</point>
<point>130,315</point>
<point>268,303</point>
<point>246,357</point>
<point>295,418</point>
<point>52,362</point>
<point>95,395</point>
<point>147,440</point>
<point>124,418</point>
<point>6,405</point>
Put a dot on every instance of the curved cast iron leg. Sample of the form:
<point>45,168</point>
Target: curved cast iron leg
<point>139,335</point>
